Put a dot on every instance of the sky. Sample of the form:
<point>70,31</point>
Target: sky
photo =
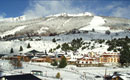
<point>42,8</point>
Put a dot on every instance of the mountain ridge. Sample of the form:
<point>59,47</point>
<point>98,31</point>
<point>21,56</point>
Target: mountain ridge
<point>61,23</point>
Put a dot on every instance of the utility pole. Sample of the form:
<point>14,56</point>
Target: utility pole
<point>105,72</point>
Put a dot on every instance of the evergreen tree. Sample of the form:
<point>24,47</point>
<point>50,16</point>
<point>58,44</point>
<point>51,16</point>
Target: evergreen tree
<point>28,46</point>
<point>107,32</point>
<point>21,48</point>
<point>51,50</point>
<point>63,62</point>
<point>45,52</point>
<point>54,63</point>
<point>125,56</point>
<point>126,37</point>
<point>76,44</point>
<point>53,40</point>
<point>11,51</point>
<point>65,47</point>
<point>58,47</point>
<point>93,30</point>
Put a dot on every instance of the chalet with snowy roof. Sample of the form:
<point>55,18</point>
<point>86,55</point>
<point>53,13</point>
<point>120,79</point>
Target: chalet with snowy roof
<point>88,59</point>
<point>47,58</point>
<point>73,58</point>
<point>33,52</point>
<point>37,59</point>
<point>20,77</point>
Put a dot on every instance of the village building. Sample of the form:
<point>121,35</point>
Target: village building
<point>109,58</point>
<point>36,59</point>
<point>89,59</point>
<point>20,77</point>
<point>33,53</point>
<point>95,59</point>
<point>72,59</point>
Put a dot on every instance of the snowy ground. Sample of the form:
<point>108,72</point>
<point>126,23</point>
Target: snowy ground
<point>46,41</point>
<point>68,73</point>
<point>96,23</point>
<point>13,31</point>
<point>48,72</point>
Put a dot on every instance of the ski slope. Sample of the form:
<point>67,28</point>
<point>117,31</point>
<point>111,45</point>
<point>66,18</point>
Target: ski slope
<point>13,31</point>
<point>97,24</point>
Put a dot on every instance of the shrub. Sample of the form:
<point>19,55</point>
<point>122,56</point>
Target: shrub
<point>58,75</point>
<point>54,63</point>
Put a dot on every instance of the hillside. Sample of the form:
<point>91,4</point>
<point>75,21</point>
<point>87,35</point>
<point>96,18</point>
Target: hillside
<point>60,23</point>
<point>72,26</point>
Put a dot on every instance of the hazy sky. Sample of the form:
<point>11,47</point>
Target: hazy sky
<point>38,8</point>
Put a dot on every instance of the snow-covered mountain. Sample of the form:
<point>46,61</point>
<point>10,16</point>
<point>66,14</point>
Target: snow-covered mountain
<point>20,18</point>
<point>72,15</point>
<point>60,23</point>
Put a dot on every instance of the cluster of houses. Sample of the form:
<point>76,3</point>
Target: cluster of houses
<point>88,59</point>
<point>91,58</point>
<point>95,59</point>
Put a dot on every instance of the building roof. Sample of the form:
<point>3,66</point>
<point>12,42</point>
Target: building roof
<point>21,77</point>
<point>36,71</point>
<point>34,51</point>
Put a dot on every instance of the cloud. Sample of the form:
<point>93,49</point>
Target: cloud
<point>106,9</point>
<point>115,8</point>
<point>44,8</point>
<point>113,5</point>
<point>122,12</point>
<point>119,9</point>
<point>41,8</point>
<point>2,15</point>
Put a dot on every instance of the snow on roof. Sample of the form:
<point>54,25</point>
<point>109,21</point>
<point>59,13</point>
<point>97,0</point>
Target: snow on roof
<point>72,60</point>
<point>34,51</point>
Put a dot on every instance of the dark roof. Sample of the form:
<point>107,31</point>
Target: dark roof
<point>36,71</point>
<point>21,77</point>
<point>34,51</point>
<point>2,55</point>
<point>110,78</point>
